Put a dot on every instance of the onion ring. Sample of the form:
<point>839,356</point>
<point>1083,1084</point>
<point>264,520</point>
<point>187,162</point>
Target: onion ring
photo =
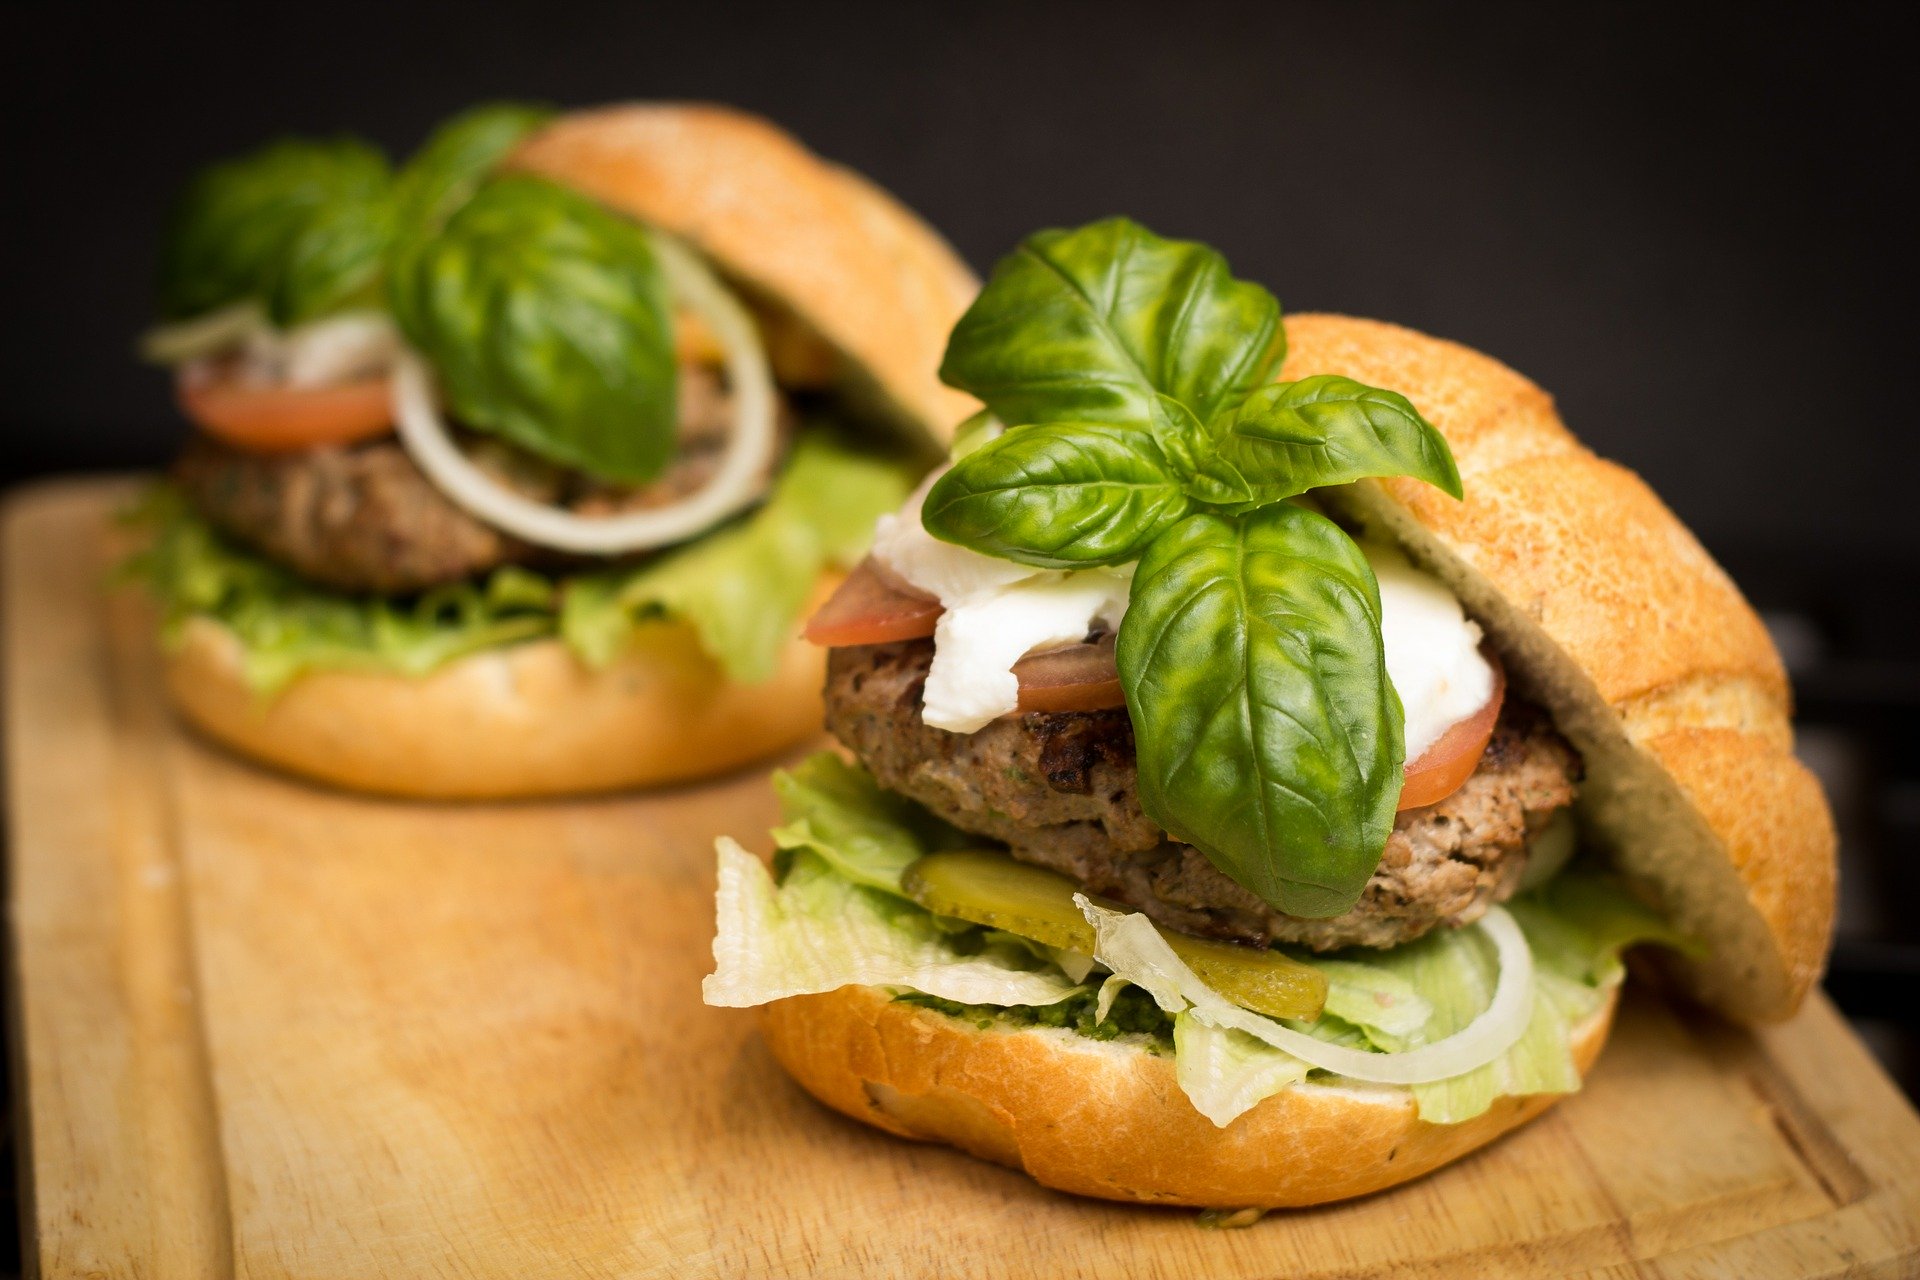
<point>1498,1028</point>
<point>737,481</point>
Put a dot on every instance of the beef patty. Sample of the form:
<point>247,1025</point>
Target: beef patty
<point>365,519</point>
<point>1058,788</point>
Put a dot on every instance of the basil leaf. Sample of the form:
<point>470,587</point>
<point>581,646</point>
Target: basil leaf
<point>1294,436</point>
<point>548,321</point>
<point>301,225</point>
<point>1086,325</point>
<point>1061,495</point>
<point>1266,730</point>
<point>450,165</point>
<point>1181,436</point>
<point>447,169</point>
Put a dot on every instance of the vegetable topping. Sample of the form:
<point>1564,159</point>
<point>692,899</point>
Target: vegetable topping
<point>1134,374</point>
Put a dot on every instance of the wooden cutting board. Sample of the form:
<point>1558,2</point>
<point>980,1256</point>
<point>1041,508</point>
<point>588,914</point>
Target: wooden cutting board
<point>266,1030</point>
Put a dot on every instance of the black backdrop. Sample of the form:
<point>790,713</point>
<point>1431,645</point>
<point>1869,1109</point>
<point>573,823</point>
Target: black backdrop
<point>1689,227</point>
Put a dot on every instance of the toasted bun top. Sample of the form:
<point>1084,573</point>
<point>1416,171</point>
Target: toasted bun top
<point>879,285</point>
<point>1610,613</point>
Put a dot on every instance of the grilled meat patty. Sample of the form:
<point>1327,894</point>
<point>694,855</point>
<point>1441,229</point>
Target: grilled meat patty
<point>1058,789</point>
<point>365,519</point>
<point>358,519</point>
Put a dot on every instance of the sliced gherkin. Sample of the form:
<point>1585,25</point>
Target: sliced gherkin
<point>1254,978</point>
<point>993,889</point>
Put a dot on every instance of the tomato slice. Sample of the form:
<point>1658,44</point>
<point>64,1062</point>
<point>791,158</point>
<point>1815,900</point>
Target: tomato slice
<point>271,419</point>
<point>867,609</point>
<point>1079,677</point>
<point>1444,767</point>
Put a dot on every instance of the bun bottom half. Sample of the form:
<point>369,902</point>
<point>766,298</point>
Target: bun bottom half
<point>517,722</point>
<point>1109,1120</point>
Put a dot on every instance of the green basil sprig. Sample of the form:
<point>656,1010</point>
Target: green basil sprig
<point>1290,437</point>
<point>548,321</point>
<point>450,166</point>
<point>1089,325</point>
<point>1061,495</point>
<point>1139,374</point>
<point>300,225</point>
<point>1266,730</point>
<point>457,156</point>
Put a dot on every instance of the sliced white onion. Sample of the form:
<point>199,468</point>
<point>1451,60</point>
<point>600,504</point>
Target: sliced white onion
<point>735,483</point>
<point>321,353</point>
<point>1130,946</point>
<point>185,340</point>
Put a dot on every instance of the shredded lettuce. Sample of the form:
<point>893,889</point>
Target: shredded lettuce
<point>742,588</point>
<point>286,626</point>
<point>865,832</point>
<point>1364,995</point>
<point>1454,971</point>
<point>846,841</point>
<point>818,931</point>
<point>1225,1072</point>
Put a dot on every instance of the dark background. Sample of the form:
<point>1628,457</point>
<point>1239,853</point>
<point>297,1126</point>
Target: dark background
<point>1694,227</point>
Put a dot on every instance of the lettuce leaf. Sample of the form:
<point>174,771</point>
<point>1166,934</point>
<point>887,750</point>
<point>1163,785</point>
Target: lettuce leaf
<point>1454,970</point>
<point>866,833</point>
<point>1576,925</point>
<point>838,912</point>
<point>286,626</point>
<point>1367,996</point>
<point>1226,1073</point>
<point>742,588</point>
<point>818,931</point>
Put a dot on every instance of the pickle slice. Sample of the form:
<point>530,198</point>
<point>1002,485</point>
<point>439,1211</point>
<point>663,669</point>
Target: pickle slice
<point>1255,978</point>
<point>999,891</point>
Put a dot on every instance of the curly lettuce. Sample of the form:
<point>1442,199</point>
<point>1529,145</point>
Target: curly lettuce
<point>742,587</point>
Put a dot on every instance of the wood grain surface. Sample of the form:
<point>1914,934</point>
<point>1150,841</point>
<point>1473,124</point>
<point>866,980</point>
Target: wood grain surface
<point>274,1031</point>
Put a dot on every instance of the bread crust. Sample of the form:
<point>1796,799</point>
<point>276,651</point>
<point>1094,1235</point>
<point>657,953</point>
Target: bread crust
<point>1109,1120</point>
<point>1609,612</point>
<point>518,721</point>
<point>862,271</point>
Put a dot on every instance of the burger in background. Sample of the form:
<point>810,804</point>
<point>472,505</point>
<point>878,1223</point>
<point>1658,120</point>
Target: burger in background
<point>516,469</point>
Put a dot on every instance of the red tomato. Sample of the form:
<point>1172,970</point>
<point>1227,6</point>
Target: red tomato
<point>1079,677</point>
<point>867,609</point>
<point>269,419</point>
<point>1445,766</point>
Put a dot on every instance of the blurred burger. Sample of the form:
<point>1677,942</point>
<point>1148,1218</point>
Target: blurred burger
<point>515,470</point>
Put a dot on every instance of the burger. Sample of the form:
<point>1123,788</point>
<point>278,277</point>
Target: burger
<point>515,469</point>
<point>1262,743</point>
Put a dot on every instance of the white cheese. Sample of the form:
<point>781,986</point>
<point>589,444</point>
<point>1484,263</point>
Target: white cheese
<point>1433,649</point>
<point>977,641</point>
<point>948,573</point>
<point>997,612</point>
